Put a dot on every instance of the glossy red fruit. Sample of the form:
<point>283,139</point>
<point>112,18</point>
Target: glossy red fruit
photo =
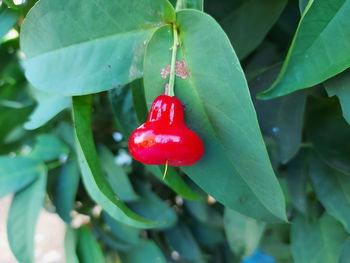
<point>165,137</point>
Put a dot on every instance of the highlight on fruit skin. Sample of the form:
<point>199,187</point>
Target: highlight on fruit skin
<point>164,137</point>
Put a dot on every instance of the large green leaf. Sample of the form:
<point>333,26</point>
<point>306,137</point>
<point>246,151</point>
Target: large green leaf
<point>117,177</point>
<point>248,24</point>
<point>100,42</point>
<point>320,241</point>
<point>333,190</point>
<point>48,147</point>
<point>94,179</point>
<point>340,86</point>
<point>345,253</point>
<point>16,173</point>
<point>243,233</point>
<point>204,213</point>
<point>66,188</point>
<point>22,218</point>
<point>279,118</point>
<point>48,107</point>
<point>320,48</point>
<point>70,244</point>
<point>219,109</point>
<point>88,249</point>
<point>145,252</point>
<point>8,18</point>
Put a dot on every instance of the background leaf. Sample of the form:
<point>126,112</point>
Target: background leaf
<point>320,48</point>
<point>22,218</point>
<point>70,245</point>
<point>332,188</point>
<point>145,252</point>
<point>16,173</point>
<point>8,18</point>
<point>229,130</point>
<point>248,24</point>
<point>319,241</point>
<point>88,249</point>
<point>66,189</point>
<point>106,52</point>
<point>340,86</point>
<point>243,233</point>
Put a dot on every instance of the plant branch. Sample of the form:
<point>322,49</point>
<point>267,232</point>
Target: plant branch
<point>173,63</point>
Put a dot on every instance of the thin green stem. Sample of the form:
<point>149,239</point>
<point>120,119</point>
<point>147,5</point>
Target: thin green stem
<point>53,165</point>
<point>173,63</point>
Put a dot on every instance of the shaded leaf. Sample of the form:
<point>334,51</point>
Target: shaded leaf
<point>47,148</point>
<point>190,4</point>
<point>345,252</point>
<point>16,173</point>
<point>333,190</point>
<point>243,233</point>
<point>182,241</point>
<point>117,177</point>
<point>280,118</point>
<point>320,48</point>
<point>204,213</point>
<point>320,241</point>
<point>340,86</point>
<point>88,250</point>
<point>145,252</point>
<point>223,117</point>
<point>93,177</point>
<point>150,206</point>
<point>66,188</point>
<point>248,24</point>
<point>22,218</point>
<point>103,53</point>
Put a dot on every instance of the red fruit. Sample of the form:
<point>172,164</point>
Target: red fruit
<point>165,137</point>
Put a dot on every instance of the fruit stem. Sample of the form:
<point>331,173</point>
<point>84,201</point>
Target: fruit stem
<point>173,63</point>
<point>166,169</point>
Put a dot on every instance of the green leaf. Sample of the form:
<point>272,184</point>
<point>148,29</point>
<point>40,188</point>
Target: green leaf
<point>47,148</point>
<point>122,106</point>
<point>22,218</point>
<point>101,42</point>
<point>345,252</point>
<point>328,132</point>
<point>8,18</point>
<point>117,177</point>
<point>189,4</point>
<point>320,241</point>
<point>66,189</point>
<point>204,213</point>
<point>8,110</point>
<point>333,190</point>
<point>320,48</point>
<point>339,86</point>
<point>48,107</point>
<point>182,241</point>
<point>124,232</point>
<point>173,180</point>
<point>243,233</point>
<point>70,245</point>
<point>302,5</point>
<point>223,116</point>
<point>139,100</point>
<point>88,249</point>
<point>280,118</point>
<point>94,179</point>
<point>150,206</point>
<point>296,175</point>
<point>248,24</point>
<point>16,173</point>
<point>145,252</point>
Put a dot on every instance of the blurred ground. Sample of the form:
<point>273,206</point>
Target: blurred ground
<point>48,238</point>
